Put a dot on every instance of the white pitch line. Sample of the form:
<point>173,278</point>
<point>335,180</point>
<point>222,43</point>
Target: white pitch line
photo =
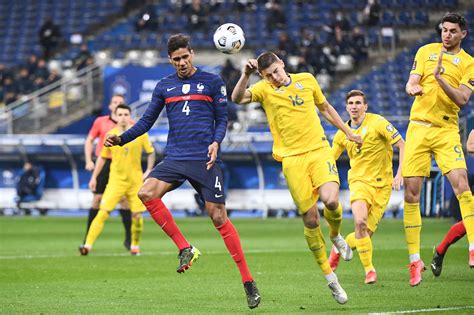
<point>426,310</point>
<point>164,253</point>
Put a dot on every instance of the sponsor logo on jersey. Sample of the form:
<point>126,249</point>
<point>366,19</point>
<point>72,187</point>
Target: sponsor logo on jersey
<point>170,89</point>
<point>223,90</point>
<point>390,128</point>
<point>186,88</point>
<point>456,60</point>
<point>433,57</point>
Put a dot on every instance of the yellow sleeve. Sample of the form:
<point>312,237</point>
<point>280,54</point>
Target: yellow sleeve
<point>388,131</point>
<point>257,91</point>
<point>106,152</point>
<point>337,145</point>
<point>318,95</point>
<point>418,63</point>
<point>468,77</point>
<point>147,146</point>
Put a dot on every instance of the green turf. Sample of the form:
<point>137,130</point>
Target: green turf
<point>42,272</point>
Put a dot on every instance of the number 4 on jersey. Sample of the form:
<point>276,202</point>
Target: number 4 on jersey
<point>186,108</point>
<point>218,184</point>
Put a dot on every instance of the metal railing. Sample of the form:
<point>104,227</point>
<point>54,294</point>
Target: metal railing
<point>55,105</point>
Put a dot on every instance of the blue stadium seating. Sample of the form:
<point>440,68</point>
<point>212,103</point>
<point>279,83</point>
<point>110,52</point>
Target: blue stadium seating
<point>307,14</point>
<point>22,20</point>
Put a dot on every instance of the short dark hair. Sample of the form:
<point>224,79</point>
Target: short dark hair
<point>178,41</point>
<point>123,106</point>
<point>265,60</point>
<point>455,18</point>
<point>356,93</point>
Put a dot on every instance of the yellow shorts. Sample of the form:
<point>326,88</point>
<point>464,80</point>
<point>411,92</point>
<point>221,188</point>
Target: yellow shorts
<point>115,190</point>
<point>423,141</point>
<point>377,199</point>
<point>306,172</point>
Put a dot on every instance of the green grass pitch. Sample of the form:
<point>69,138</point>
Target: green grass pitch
<point>41,271</point>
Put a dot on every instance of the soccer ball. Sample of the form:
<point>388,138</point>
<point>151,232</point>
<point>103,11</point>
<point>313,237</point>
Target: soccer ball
<point>229,38</point>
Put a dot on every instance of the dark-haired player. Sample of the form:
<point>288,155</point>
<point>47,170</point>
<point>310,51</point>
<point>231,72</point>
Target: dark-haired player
<point>196,106</point>
<point>441,80</point>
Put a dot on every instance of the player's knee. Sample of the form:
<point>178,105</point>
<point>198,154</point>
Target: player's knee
<point>312,222</point>
<point>412,196</point>
<point>217,213</point>
<point>145,194</point>
<point>96,201</point>
<point>136,215</point>
<point>332,203</point>
<point>461,187</point>
<point>361,224</point>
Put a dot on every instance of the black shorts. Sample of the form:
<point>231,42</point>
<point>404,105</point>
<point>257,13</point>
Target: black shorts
<point>208,183</point>
<point>103,178</point>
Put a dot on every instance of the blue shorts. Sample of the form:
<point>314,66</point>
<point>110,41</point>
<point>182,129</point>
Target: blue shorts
<point>208,183</point>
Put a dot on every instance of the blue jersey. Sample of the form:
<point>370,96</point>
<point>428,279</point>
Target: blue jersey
<point>197,114</point>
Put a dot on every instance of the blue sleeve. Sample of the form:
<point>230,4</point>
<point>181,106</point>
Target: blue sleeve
<point>147,120</point>
<point>220,110</point>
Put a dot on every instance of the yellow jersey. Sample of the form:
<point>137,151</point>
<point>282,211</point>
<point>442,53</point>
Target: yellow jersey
<point>127,160</point>
<point>434,106</point>
<point>291,113</point>
<point>372,163</point>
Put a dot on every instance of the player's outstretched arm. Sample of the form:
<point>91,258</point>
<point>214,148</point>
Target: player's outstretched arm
<point>470,142</point>
<point>413,87</point>
<point>460,96</point>
<point>333,117</point>
<point>398,179</point>
<point>240,94</point>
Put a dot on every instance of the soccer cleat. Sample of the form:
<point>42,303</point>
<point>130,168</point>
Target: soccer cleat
<point>186,258</point>
<point>334,259</point>
<point>84,250</point>
<point>416,268</point>
<point>135,251</point>
<point>338,292</point>
<point>371,277</point>
<point>471,258</point>
<point>253,296</point>
<point>343,248</point>
<point>436,263</point>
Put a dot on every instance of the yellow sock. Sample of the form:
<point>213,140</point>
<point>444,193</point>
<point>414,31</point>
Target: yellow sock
<point>334,219</point>
<point>466,203</point>
<point>96,227</point>
<point>137,229</point>
<point>364,247</point>
<point>412,225</point>
<point>351,240</point>
<point>317,245</point>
